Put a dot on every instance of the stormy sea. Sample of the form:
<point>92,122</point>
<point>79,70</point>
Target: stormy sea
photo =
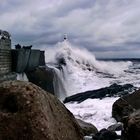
<point>77,71</point>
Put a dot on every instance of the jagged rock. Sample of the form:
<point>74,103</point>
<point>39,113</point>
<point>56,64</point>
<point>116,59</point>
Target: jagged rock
<point>42,77</point>
<point>115,127</point>
<point>113,90</point>
<point>29,113</point>
<point>87,128</point>
<point>132,127</point>
<point>105,134</point>
<point>126,105</point>
<point>88,138</point>
<point>120,109</point>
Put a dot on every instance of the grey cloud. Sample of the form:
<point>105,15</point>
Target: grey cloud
<point>67,7</point>
<point>99,25</point>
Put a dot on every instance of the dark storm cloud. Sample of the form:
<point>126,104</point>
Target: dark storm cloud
<point>104,27</point>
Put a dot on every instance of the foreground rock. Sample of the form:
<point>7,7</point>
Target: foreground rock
<point>115,127</point>
<point>105,134</point>
<point>126,105</point>
<point>29,113</point>
<point>87,128</point>
<point>120,109</point>
<point>113,90</point>
<point>132,127</point>
<point>42,77</point>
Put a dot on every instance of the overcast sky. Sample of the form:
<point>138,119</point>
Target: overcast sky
<point>109,28</point>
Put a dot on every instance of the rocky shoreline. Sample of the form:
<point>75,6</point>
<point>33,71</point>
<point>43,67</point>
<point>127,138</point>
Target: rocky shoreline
<point>29,113</point>
<point>112,91</point>
<point>36,114</point>
<point>33,112</point>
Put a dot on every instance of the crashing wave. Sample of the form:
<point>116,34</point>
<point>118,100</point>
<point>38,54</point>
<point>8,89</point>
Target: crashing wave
<point>79,70</point>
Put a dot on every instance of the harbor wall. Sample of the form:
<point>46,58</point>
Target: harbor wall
<point>13,61</point>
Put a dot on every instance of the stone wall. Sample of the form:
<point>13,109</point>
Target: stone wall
<point>9,76</point>
<point>24,60</point>
<point>5,57</point>
<point>5,61</point>
<point>5,43</point>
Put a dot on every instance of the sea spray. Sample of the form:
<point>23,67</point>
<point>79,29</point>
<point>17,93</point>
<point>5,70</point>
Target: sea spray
<point>85,59</point>
<point>22,77</point>
<point>59,84</point>
<point>77,69</point>
<point>95,111</point>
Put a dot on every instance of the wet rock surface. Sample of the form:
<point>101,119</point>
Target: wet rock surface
<point>115,127</point>
<point>113,90</point>
<point>120,109</point>
<point>105,134</point>
<point>126,105</point>
<point>87,128</point>
<point>42,77</point>
<point>132,127</point>
<point>29,113</point>
<point>127,110</point>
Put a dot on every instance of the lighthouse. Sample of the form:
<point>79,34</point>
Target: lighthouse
<point>65,37</point>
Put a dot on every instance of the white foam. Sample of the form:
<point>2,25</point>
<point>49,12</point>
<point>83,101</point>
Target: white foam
<point>22,77</point>
<point>95,111</point>
<point>82,73</point>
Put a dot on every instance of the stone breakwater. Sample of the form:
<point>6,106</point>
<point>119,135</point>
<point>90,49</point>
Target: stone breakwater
<point>5,57</point>
<point>19,60</point>
<point>5,61</point>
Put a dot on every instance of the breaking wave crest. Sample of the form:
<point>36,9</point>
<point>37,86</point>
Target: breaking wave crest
<point>80,69</point>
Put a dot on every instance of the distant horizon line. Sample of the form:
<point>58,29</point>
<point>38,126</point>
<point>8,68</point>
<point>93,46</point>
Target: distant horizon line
<point>119,58</point>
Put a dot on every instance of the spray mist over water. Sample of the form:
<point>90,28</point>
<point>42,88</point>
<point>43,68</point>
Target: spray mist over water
<point>77,70</point>
<point>22,77</point>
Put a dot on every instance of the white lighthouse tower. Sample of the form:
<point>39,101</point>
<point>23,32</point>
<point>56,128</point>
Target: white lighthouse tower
<point>65,37</point>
